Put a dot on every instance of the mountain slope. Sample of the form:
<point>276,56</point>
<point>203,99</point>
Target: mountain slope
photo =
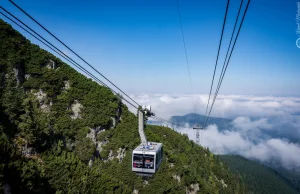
<point>193,119</point>
<point>63,133</point>
<point>257,177</point>
<point>292,176</point>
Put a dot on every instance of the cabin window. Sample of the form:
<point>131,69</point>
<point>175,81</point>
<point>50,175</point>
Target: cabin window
<point>143,161</point>
<point>149,161</point>
<point>138,161</point>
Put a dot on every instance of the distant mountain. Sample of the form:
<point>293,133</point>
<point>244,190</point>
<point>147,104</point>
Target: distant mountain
<point>257,177</point>
<point>193,119</point>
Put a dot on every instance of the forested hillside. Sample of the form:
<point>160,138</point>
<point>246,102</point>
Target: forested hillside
<point>292,176</point>
<point>257,177</point>
<point>63,133</point>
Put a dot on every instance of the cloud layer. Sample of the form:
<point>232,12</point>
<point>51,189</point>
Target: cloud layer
<point>227,106</point>
<point>264,128</point>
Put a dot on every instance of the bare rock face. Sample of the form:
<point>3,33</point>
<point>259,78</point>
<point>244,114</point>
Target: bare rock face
<point>145,182</point>
<point>121,154</point>
<point>27,76</point>
<point>90,164</point>
<point>42,98</point>
<point>176,177</point>
<point>28,151</point>
<point>40,95</point>
<point>67,85</point>
<point>223,183</point>
<point>19,74</point>
<point>100,144</point>
<point>51,65</point>
<point>94,132</point>
<point>76,106</point>
<point>135,191</point>
<point>92,135</point>
<point>114,122</point>
<point>194,188</point>
<point>111,155</point>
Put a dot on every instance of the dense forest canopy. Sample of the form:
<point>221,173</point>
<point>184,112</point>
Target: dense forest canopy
<point>61,132</point>
<point>257,177</point>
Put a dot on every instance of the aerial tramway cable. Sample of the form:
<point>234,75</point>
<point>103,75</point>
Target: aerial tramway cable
<point>222,76</point>
<point>184,45</point>
<point>218,86</point>
<point>216,64</point>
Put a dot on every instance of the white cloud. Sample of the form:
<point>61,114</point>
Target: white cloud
<point>273,150</point>
<point>228,106</point>
<point>245,124</point>
<point>276,150</point>
<point>265,128</point>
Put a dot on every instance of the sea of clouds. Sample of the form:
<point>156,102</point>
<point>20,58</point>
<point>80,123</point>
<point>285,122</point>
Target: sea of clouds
<point>264,128</point>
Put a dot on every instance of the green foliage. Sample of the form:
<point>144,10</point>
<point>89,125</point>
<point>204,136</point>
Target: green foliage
<point>85,148</point>
<point>257,177</point>
<point>5,147</point>
<point>12,99</point>
<point>67,174</point>
<point>33,123</point>
<point>292,176</point>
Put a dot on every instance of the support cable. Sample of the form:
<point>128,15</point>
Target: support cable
<point>217,91</point>
<point>216,64</point>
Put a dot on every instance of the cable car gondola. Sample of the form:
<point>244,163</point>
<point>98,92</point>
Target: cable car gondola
<point>147,157</point>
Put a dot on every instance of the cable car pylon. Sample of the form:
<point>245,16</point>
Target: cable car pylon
<point>198,128</point>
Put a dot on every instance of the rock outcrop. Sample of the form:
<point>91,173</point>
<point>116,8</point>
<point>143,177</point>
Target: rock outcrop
<point>75,107</point>
<point>193,189</point>
<point>51,65</point>
<point>176,177</point>
<point>42,98</point>
<point>19,74</point>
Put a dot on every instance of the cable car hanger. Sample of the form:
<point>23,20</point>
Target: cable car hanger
<point>147,157</point>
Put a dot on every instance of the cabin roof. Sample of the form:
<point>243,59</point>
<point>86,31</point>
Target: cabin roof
<point>156,146</point>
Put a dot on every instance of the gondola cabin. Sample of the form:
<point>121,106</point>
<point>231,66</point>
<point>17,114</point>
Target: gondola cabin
<point>147,159</point>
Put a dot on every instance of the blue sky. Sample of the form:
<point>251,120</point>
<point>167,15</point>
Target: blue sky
<point>138,44</point>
